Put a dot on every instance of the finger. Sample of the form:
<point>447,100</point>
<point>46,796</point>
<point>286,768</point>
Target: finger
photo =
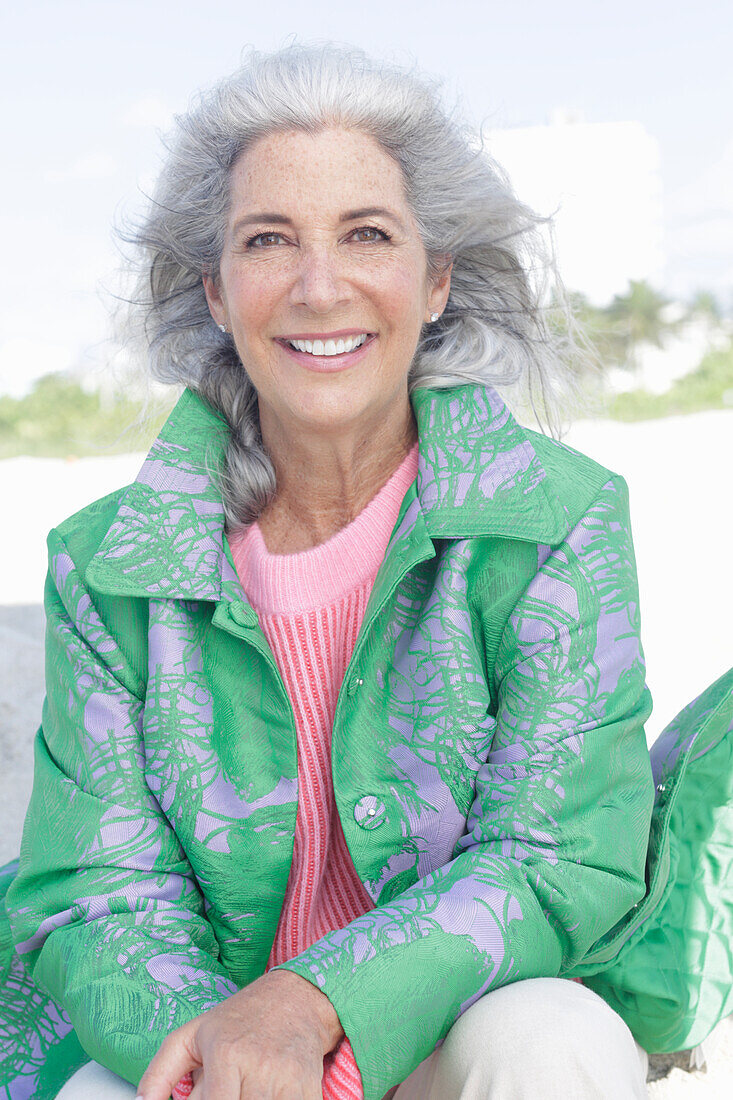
<point>174,1059</point>
<point>295,1085</point>
<point>300,1090</point>
<point>221,1082</point>
<point>197,1089</point>
<point>198,1085</point>
<point>303,1091</point>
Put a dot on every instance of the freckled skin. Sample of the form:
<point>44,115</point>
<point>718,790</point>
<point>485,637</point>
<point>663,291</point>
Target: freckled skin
<point>334,438</point>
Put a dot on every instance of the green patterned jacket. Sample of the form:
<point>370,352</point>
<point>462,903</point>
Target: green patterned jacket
<point>489,761</point>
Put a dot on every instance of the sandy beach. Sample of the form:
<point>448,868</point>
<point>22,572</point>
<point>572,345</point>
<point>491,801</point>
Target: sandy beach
<point>678,471</point>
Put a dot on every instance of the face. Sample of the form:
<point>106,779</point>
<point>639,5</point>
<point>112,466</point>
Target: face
<point>321,247</point>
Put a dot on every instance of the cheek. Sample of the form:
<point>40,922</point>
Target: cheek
<point>400,293</point>
<point>251,299</point>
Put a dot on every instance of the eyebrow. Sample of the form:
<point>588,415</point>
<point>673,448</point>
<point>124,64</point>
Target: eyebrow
<point>348,216</point>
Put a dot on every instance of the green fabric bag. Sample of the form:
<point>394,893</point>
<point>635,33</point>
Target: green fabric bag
<point>672,978</point>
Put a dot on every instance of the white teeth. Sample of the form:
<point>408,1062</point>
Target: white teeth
<point>329,347</point>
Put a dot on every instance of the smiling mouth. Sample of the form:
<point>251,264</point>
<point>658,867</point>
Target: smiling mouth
<point>341,346</point>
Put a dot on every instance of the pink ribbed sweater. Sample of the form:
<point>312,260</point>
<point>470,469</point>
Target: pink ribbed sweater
<point>310,606</point>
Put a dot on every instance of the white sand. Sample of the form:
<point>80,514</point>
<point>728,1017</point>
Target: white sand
<point>37,493</point>
<point>679,476</point>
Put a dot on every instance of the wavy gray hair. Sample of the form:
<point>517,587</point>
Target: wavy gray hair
<point>494,330</point>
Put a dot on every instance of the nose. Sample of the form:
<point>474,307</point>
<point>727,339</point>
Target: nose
<point>320,282</point>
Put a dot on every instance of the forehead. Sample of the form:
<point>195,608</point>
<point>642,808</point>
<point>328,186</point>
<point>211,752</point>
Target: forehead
<point>333,168</point>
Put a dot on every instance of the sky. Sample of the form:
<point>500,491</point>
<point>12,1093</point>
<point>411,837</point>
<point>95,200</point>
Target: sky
<point>86,88</point>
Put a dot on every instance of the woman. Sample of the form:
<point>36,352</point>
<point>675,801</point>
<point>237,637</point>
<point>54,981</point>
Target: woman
<point>342,760</point>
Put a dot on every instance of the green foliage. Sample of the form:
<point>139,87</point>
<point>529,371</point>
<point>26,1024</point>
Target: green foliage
<point>708,387</point>
<point>638,316</point>
<point>605,336</point>
<point>614,331</point>
<point>611,335</point>
<point>706,304</point>
<point>59,419</point>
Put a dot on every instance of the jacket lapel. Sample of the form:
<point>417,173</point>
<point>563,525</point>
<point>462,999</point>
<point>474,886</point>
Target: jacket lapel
<point>167,538</point>
<point>478,475</point>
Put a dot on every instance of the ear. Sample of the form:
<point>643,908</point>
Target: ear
<point>440,287</point>
<point>216,303</point>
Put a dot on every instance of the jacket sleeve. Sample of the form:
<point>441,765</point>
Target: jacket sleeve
<point>554,849</point>
<point>105,910</point>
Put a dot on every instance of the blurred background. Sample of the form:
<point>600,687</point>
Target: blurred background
<point>616,118</point>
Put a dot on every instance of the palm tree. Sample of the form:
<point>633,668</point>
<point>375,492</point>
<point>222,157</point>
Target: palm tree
<point>638,317</point>
<point>705,304</point>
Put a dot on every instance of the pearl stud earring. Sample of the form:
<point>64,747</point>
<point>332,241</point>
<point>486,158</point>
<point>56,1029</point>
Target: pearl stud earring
<point>434,316</point>
<point>222,328</point>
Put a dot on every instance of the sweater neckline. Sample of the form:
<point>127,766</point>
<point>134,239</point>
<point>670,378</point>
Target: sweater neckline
<point>323,574</point>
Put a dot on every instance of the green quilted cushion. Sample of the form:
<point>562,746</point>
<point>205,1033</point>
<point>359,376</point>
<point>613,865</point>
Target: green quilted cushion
<point>672,979</point>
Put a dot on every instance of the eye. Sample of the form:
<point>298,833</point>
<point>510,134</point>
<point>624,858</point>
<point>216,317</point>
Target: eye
<point>266,240</point>
<point>376,234</point>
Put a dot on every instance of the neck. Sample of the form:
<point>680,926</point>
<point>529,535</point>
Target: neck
<point>324,481</point>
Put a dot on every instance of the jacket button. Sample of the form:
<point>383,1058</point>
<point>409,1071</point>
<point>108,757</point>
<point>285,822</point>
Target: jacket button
<point>240,614</point>
<point>369,812</point>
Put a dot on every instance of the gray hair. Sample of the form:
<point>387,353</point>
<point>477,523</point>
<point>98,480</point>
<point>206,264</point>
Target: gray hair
<point>494,330</point>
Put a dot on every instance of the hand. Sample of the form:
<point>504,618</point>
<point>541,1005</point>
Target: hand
<point>266,1042</point>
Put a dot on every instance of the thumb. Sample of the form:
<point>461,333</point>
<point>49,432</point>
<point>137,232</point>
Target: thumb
<point>176,1057</point>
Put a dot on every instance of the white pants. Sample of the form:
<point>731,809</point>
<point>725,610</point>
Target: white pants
<point>543,1037</point>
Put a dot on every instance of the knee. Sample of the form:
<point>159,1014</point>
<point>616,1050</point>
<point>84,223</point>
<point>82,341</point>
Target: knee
<point>541,1016</point>
<point>544,1030</point>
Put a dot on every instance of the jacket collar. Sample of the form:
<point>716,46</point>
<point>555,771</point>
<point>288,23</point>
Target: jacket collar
<point>478,475</point>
